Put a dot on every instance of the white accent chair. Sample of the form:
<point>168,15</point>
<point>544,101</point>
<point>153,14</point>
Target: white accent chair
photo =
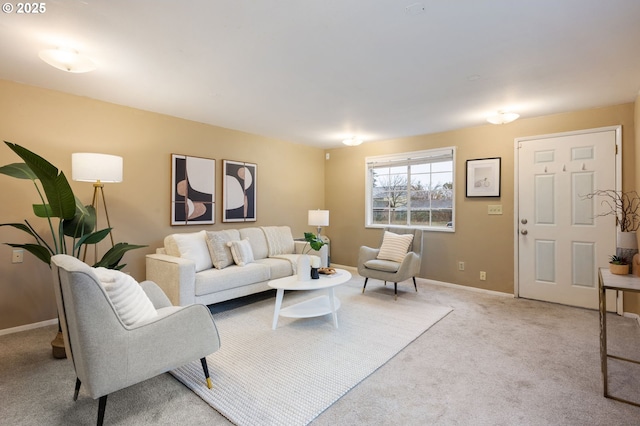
<point>107,354</point>
<point>369,266</point>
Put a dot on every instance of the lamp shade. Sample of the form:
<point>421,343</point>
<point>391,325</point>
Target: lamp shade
<point>93,167</point>
<point>318,217</point>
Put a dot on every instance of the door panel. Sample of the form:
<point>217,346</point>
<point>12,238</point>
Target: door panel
<point>562,241</point>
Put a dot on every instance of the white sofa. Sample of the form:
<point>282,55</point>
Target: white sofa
<point>200,267</point>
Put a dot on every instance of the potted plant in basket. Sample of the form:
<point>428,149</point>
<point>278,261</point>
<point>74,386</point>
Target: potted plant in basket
<point>618,265</point>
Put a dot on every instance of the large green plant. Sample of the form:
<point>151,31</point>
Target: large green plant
<point>75,222</point>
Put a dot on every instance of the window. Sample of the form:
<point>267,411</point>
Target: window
<point>412,189</point>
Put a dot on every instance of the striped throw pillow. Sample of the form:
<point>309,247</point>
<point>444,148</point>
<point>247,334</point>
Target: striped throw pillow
<point>394,246</point>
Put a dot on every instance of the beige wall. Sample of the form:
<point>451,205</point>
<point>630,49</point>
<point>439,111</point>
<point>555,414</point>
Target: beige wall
<point>54,125</point>
<point>292,179</point>
<point>483,242</point>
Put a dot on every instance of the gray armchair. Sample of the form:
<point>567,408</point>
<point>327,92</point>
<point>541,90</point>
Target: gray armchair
<point>369,266</point>
<point>107,354</point>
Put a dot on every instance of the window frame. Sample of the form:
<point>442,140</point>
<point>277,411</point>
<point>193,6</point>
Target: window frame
<point>403,159</point>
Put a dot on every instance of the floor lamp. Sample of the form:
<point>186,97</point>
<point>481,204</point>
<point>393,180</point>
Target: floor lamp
<point>99,169</point>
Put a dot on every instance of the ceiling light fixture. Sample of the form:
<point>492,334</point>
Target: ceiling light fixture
<point>352,141</point>
<point>503,117</point>
<point>67,60</point>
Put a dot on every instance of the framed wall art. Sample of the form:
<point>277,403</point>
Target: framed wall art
<point>193,185</point>
<point>239,193</point>
<point>483,177</point>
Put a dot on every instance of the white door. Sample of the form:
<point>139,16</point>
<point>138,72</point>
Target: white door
<point>561,240</point>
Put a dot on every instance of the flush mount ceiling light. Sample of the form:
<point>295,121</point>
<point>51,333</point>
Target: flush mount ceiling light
<point>352,141</point>
<point>503,117</point>
<point>67,60</point>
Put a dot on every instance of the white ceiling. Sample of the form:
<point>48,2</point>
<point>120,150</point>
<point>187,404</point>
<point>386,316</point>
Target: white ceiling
<point>317,71</point>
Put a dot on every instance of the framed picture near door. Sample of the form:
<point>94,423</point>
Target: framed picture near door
<point>239,193</point>
<point>483,177</point>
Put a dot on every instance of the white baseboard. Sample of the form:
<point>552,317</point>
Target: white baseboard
<point>632,315</point>
<point>468,288</point>
<point>441,283</point>
<point>28,327</point>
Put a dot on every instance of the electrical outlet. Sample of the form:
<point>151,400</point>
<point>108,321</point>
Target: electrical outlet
<point>483,276</point>
<point>494,209</point>
<point>17,256</point>
<point>460,266</point>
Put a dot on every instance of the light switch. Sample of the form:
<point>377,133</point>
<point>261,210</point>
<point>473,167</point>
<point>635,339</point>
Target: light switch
<point>495,209</point>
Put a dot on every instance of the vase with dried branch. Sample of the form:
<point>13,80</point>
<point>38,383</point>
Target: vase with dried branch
<point>625,206</point>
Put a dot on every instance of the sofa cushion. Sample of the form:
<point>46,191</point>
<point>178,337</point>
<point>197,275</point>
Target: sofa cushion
<point>241,252</point>
<point>394,246</point>
<point>192,246</point>
<point>257,240</point>
<point>219,251</point>
<point>131,302</point>
<point>279,240</point>
<point>278,267</point>
<point>214,280</point>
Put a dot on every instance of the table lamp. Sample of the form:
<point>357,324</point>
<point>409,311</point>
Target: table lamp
<point>319,218</point>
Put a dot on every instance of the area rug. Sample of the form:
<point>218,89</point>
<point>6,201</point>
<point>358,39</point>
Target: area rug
<point>290,375</point>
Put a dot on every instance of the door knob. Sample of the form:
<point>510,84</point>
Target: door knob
<point>524,221</point>
<point>524,232</point>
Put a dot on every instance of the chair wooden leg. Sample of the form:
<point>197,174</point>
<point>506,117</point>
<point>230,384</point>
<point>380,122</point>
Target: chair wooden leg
<point>77,391</point>
<point>365,284</point>
<point>205,368</point>
<point>395,291</point>
<point>101,407</point>
<point>414,284</point>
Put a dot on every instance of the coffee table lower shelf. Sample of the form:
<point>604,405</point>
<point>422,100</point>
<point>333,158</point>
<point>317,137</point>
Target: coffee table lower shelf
<point>316,307</point>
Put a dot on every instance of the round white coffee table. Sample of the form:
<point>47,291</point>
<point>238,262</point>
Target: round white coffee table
<point>318,306</point>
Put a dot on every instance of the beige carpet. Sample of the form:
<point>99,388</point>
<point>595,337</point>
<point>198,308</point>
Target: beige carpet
<point>290,375</point>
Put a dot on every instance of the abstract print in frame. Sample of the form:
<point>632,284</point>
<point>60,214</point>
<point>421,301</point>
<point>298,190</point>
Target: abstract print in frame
<point>193,184</point>
<point>239,193</point>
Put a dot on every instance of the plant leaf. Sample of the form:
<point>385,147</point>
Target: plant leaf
<point>43,210</point>
<point>314,241</point>
<point>18,171</point>
<point>21,227</point>
<point>112,257</point>
<point>93,237</point>
<point>82,223</point>
<point>56,187</point>
<point>41,252</point>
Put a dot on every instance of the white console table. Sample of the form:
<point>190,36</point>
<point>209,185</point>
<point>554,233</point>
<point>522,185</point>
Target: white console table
<point>609,281</point>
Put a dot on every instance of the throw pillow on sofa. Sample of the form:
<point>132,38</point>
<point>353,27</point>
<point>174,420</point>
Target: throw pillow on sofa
<point>279,240</point>
<point>193,246</point>
<point>218,250</point>
<point>131,302</point>
<point>241,252</point>
<point>394,246</point>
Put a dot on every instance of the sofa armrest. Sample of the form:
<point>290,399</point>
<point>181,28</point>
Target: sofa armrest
<point>174,275</point>
<point>157,346</point>
<point>302,247</point>
<point>410,265</point>
<point>364,255</point>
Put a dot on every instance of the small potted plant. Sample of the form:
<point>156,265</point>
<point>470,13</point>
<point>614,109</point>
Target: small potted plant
<point>618,265</point>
